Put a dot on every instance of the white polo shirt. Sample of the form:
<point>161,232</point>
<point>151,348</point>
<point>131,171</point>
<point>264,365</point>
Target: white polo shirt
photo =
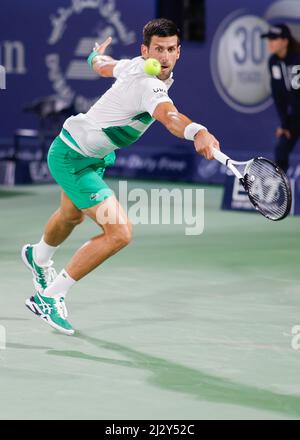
<point>121,115</point>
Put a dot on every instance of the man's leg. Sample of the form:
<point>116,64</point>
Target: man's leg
<point>62,222</point>
<point>116,227</point>
<point>117,233</point>
<point>283,150</point>
<point>37,257</point>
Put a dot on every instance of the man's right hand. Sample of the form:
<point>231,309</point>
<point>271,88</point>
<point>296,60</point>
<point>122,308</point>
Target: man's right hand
<point>103,65</point>
<point>101,48</point>
<point>283,132</point>
<point>204,144</point>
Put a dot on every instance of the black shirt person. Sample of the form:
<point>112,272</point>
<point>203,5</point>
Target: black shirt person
<point>284,65</point>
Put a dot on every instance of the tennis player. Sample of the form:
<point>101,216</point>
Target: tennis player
<point>80,154</point>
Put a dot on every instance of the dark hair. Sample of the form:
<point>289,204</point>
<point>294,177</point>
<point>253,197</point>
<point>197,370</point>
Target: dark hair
<point>160,27</point>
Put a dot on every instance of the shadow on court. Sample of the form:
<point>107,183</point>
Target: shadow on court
<point>27,347</point>
<point>4,194</point>
<point>12,192</point>
<point>12,319</point>
<point>174,377</point>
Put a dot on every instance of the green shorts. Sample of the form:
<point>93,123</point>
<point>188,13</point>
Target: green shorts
<point>80,177</point>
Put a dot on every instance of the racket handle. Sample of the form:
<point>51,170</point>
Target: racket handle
<point>220,157</point>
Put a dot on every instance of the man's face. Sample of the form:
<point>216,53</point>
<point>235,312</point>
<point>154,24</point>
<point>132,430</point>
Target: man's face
<point>278,45</point>
<point>166,51</point>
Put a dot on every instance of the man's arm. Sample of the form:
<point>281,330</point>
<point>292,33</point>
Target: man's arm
<point>180,125</point>
<point>102,64</point>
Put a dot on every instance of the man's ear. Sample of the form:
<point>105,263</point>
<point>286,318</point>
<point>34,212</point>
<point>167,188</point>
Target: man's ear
<point>144,51</point>
<point>178,52</point>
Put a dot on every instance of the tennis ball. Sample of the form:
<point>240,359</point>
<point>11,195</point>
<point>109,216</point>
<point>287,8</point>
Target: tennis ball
<point>152,67</point>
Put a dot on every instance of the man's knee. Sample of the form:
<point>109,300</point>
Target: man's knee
<point>72,218</point>
<point>120,236</point>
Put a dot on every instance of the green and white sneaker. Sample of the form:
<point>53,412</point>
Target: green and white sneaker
<point>42,275</point>
<point>53,311</point>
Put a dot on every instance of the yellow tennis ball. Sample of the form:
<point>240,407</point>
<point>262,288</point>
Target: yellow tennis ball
<point>152,67</point>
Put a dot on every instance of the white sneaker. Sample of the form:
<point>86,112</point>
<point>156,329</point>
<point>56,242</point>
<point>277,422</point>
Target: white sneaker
<point>42,275</point>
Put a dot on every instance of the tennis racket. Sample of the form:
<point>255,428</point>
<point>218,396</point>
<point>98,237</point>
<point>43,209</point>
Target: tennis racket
<point>265,183</point>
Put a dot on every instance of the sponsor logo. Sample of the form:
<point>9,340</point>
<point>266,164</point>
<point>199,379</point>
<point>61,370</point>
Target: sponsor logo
<point>159,90</point>
<point>63,71</point>
<point>2,78</point>
<point>239,57</point>
<point>150,165</point>
<point>39,172</point>
<point>240,199</point>
<point>239,63</point>
<point>12,58</point>
<point>276,72</point>
<point>267,190</point>
<point>295,82</point>
<point>94,196</point>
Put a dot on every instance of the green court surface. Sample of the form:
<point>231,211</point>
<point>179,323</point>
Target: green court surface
<point>173,327</point>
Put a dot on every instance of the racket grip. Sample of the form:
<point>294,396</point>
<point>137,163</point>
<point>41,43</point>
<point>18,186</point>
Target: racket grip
<point>220,157</point>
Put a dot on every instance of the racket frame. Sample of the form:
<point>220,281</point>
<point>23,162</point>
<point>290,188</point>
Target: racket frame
<point>229,163</point>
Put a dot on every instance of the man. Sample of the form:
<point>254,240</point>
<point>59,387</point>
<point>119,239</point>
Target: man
<point>284,65</point>
<point>79,155</point>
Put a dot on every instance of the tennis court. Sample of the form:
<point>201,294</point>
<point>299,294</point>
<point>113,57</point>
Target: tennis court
<point>172,327</point>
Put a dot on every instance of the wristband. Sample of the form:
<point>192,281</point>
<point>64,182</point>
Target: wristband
<point>191,130</point>
<point>92,55</point>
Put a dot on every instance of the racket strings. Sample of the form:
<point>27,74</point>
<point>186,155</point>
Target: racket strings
<point>268,189</point>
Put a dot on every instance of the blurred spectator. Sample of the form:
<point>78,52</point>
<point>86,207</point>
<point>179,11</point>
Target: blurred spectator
<point>284,65</point>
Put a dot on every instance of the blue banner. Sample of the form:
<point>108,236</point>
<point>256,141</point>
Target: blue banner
<point>235,197</point>
<point>222,83</point>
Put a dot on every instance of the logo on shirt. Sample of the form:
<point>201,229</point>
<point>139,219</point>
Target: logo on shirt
<point>276,72</point>
<point>67,30</point>
<point>159,90</point>
<point>94,196</point>
<point>295,77</point>
<point>291,76</point>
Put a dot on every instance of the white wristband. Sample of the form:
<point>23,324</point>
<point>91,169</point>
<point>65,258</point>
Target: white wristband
<point>191,130</point>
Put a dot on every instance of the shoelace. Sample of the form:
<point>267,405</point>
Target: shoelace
<point>61,308</point>
<point>51,273</point>
<point>48,273</point>
<point>46,277</point>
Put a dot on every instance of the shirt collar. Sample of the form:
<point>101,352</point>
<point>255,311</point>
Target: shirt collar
<point>169,81</point>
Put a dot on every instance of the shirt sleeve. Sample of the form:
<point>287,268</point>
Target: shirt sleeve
<point>119,67</point>
<point>154,93</point>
